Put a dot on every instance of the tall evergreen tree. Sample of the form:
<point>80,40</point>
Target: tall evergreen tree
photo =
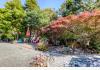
<point>51,13</point>
<point>14,16</point>
<point>14,4</point>
<point>70,7</point>
<point>76,6</point>
<point>31,4</point>
<point>89,5</point>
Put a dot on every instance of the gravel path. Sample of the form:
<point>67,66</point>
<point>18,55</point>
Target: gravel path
<point>12,55</point>
<point>20,55</point>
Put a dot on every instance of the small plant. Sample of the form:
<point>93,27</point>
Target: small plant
<point>39,61</point>
<point>42,46</point>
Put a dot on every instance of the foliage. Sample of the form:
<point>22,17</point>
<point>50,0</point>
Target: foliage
<point>35,19</point>
<point>76,6</point>
<point>38,18</point>
<point>69,35</point>
<point>16,12</point>
<point>5,24</point>
<point>50,13</point>
<point>95,41</point>
<point>14,4</point>
<point>70,7</point>
<point>83,26</point>
<point>14,18</point>
<point>42,46</point>
<point>91,4</point>
<point>31,5</point>
<point>11,18</point>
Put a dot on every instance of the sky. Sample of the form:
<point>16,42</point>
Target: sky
<point>55,4</point>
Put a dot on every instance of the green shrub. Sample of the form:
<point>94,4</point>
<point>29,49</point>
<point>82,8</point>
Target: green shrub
<point>95,42</point>
<point>7,36</point>
<point>42,47</point>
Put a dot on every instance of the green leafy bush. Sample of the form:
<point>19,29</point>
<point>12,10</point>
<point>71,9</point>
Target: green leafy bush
<point>95,42</point>
<point>42,47</point>
<point>7,36</point>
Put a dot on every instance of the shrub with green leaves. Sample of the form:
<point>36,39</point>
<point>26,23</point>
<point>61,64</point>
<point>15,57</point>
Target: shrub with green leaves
<point>95,42</point>
<point>42,47</point>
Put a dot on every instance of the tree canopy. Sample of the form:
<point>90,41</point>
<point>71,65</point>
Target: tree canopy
<point>76,6</point>
<point>85,27</point>
<point>12,17</point>
<point>31,5</point>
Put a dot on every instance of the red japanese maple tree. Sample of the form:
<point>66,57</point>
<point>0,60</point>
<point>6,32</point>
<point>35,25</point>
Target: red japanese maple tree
<point>84,18</point>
